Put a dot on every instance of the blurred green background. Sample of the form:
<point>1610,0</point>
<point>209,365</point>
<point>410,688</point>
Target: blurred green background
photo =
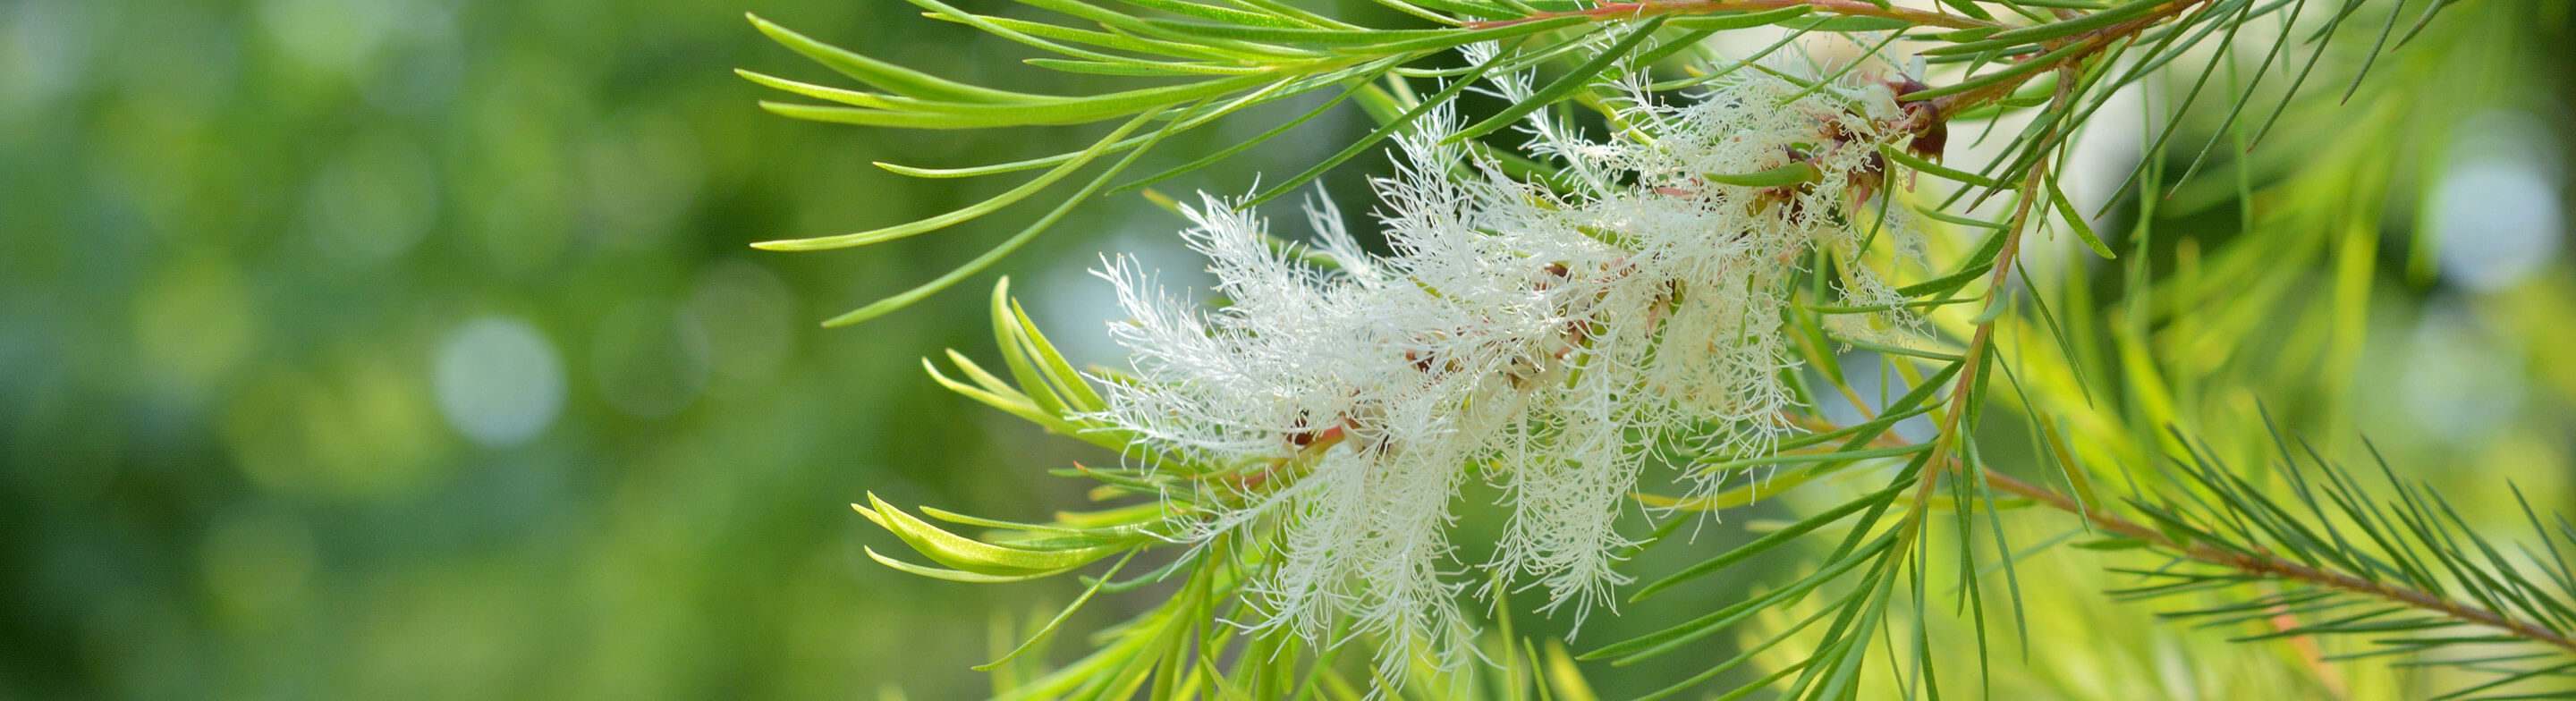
<point>411,348</point>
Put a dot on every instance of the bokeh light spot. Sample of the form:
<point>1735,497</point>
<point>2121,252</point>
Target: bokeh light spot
<point>748,318</point>
<point>2460,382</point>
<point>329,35</point>
<point>351,426</point>
<point>2495,214</point>
<point>192,325</point>
<point>372,204</point>
<point>43,50</point>
<point>498,381</point>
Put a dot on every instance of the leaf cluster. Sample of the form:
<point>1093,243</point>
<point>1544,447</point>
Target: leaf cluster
<point>2315,556</point>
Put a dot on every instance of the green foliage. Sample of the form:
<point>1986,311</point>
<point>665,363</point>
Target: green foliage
<point>2097,366</point>
<point>403,349</point>
<point>2403,572</point>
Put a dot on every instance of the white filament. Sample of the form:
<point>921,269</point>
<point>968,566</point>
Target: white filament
<point>1552,341</point>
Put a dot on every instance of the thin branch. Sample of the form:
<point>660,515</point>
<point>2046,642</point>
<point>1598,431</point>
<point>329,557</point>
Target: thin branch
<point>2260,563</point>
<point>2265,564</point>
<point>1849,8</point>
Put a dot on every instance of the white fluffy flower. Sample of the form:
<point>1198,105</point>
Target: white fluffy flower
<point>1552,341</point>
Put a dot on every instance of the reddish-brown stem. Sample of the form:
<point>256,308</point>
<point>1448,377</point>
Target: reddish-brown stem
<point>1852,8</point>
<point>1942,106</point>
<point>1981,342</point>
<point>2268,565</point>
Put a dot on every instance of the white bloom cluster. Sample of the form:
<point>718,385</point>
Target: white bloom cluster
<point>1554,341</point>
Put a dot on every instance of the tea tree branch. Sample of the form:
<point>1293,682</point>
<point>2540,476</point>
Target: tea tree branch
<point>2266,565</point>
<point>1846,8</point>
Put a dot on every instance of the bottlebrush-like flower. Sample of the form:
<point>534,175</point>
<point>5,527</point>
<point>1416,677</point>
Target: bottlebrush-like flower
<point>1557,342</point>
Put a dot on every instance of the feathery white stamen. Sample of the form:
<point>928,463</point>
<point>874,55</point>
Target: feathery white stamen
<point>1554,340</point>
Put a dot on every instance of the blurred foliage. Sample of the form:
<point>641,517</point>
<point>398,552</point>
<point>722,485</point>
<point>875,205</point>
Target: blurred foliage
<point>410,348</point>
<point>387,348</point>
